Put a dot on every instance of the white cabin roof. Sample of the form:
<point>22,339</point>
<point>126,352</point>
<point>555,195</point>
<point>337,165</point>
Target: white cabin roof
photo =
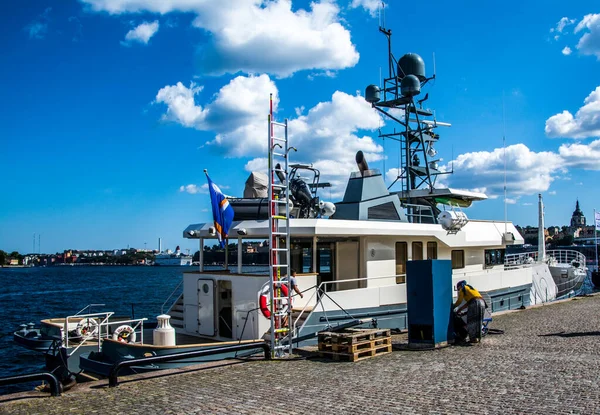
<point>474,233</point>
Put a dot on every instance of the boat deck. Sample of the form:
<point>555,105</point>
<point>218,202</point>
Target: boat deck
<point>546,362</point>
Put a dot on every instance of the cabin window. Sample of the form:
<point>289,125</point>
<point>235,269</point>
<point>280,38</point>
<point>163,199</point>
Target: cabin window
<point>401,258</point>
<point>417,251</point>
<point>431,250</point>
<point>458,259</point>
<point>301,256</point>
<point>494,257</point>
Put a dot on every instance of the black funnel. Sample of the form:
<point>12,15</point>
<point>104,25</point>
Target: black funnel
<point>361,162</point>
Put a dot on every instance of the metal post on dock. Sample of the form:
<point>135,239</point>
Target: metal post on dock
<point>596,228</point>
<point>201,255</point>
<point>239,255</point>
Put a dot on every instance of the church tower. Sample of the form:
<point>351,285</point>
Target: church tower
<point>577,219</point>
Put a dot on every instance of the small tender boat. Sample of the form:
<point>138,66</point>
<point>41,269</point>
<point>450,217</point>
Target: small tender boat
<point>33,338</point>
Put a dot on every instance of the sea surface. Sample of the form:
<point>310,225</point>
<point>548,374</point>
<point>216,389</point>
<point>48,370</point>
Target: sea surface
<point>32,294</point>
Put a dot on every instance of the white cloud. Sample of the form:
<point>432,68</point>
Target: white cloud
<point>552,193</point>
<point>38,28</point>
<point>585,123</point>
<point>511,201</point>
<point>323,135</point>
<point>527,204</point>
<point>562,23</point>
<point>583,156</point>
<point>279,40</point>
<point>141,33</point>
<point>372,6</point>
<point>194,189</point>
<point>257,164</point>
<point>237,113</point>
<point>589,43</point>
<point>527,172</point>
<point>181,105</point>
<point>325,74</point>
<point>566,51</point>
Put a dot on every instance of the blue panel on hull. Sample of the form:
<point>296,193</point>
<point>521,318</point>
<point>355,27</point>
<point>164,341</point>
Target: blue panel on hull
<point>510,298</point>
<point>429,298</point>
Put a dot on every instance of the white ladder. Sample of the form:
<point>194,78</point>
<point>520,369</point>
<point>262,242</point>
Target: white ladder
<point>279,241</point>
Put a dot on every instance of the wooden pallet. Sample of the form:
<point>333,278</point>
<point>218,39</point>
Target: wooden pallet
<point>359,355</point>
<point>355,347</point>
<point>353,336</point>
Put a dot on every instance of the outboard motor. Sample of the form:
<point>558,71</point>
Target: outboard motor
<point>302,196</point>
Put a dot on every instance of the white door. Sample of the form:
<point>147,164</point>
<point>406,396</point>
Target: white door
<point>206,307</point>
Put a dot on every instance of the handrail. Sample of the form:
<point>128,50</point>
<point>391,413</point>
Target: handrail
<point>113,379</point>
<point>138,321</point>
<point>319,288</point>
<point>89,306</point>
<point>55,386</point>
<point>105,315</point>
<point>162,308</point>
<point>420,216</point>
<point>528,259</point>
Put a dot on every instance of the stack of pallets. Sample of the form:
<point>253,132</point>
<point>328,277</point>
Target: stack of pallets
<point>355,344</point>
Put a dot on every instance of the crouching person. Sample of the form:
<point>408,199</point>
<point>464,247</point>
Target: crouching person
<point>471,299</point>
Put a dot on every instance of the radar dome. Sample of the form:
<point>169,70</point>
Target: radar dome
<point>372,94</point>
<point>410,86</point>
<point>411,64</point>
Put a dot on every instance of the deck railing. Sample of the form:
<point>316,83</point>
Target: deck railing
<point>99,324</point>
<point>557,256</point>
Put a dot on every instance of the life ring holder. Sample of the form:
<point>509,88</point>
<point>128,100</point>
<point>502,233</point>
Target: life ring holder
<point>86,328</point>
<point>124,334</point>
<point>263,300</point>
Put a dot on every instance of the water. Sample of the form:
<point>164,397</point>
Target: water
<point>32,294</point>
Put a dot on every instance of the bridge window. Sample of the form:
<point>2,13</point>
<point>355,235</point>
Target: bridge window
<point>494,257</point>
<point>458,259</point>
<point>401,258</point>
<point>431,250</point>
<point>417,251</point>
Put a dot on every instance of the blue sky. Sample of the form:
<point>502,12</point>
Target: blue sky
<point>111,109</point>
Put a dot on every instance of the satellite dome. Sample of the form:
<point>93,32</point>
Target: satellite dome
<point>410,86</point>
<point>411,64</point>
<point>372,94</point>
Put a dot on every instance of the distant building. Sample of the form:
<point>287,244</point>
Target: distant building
<point>577,219</point>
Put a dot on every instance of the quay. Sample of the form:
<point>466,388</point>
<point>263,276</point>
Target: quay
<point>546,362</point>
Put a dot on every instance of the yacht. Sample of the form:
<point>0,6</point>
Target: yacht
<point>351,256</point>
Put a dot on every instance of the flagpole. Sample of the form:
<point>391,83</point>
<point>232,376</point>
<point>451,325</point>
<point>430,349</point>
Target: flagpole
<point>596,238</point>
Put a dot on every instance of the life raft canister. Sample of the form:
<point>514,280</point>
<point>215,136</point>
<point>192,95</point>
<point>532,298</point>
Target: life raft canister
<point>263,300</point>
<point>87,328</point>
<point>125,334</point>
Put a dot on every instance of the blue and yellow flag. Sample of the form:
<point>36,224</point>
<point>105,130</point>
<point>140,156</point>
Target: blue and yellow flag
<point>222,211</point>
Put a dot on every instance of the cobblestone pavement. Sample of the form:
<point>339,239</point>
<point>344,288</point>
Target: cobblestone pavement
<point>547,362</point>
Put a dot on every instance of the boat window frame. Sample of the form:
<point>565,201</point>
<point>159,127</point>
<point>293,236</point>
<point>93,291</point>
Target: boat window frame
<point>455,264</point>
<point>433,245</point>
<point>401,276</point>
<point>419,250</point>
<point>492,257</point>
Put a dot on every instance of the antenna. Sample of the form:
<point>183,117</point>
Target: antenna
<point>434,65</point>
<point>504,147</point>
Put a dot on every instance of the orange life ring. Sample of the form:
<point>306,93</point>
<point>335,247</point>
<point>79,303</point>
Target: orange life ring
<point>263,300</point>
